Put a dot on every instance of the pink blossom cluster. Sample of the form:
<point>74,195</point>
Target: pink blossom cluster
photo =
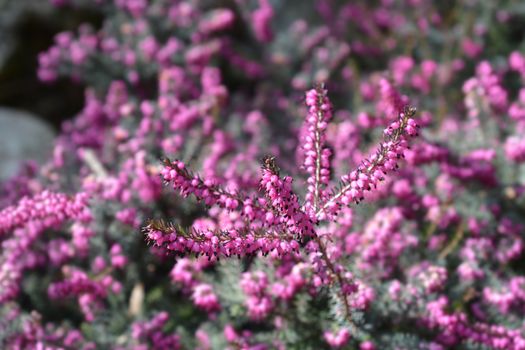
<point>258,302</point>
<point>317,155</point>
<point>486,84</point>
<point>204,298</point>
<point>23,225</point>
<point>454,326</point>
<point>338,339</point>
<point>279,211</point>
<point>36,334</point>
<point>46,209</point>
<point>515,149</point>
<point>289,219</point>
<point>149,334</point>
<point>215,244</point>
<point>373,170</point>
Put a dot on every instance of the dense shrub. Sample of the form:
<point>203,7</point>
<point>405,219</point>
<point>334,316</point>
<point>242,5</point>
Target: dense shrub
<point>308,205</point>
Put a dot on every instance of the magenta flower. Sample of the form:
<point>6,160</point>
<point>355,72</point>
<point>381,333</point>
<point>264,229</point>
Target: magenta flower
<point>274,221</point>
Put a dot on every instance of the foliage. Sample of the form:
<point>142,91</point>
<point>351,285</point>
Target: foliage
<point>302,211</point>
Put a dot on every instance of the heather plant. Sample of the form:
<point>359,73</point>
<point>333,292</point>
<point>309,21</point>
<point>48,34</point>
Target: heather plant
<point>254,175</point>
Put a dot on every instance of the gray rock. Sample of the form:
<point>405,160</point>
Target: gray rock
<point>22,137</point>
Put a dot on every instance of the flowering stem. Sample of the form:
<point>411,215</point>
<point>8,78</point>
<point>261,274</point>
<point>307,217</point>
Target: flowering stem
<point>317,144</point>
<point>340,281</point>
<point>384,159</point>
<point>316,162</point>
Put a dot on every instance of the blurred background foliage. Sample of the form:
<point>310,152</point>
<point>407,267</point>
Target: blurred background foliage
<point>27,27</point>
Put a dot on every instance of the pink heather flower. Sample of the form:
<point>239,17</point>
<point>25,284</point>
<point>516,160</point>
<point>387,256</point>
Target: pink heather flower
<point>89,292</point>
<point>149,47</point>
<point>200,55</point>
<point>118,259</point>
<point>517,108</point>
<point>10,275</point>
<point>254,286</point>
<point>47,209</point>
<point>382,241</point>
<point>503,300</point>
<point>82,234</point>
<point>317,155</point>
<point>367,345</point>
<point>455,327</point>
<point>166,52</point>
<point>60,251</point>
<point>361,296</point>
<point>487,86</point>
<point>136,8</point>
<point>207,88</point>
<point>175,172</point>
<point>261,21</point>
<point>259,307</point>
<point>215,244</point>
<point>391,103</point>
<point>373,170</point>
<point>281,197</point>
<point>78,54</point>
<point>394,290</point>
<point>98,264</point>
<point>254,283</point>
<point>293,282</point>
<point>78,283</point>
<point>338,339</point>
<point>184,272</point>
<point>400,68</point>
<point>230,334</point>
<point>433,278</point>
<point>219,19</point>
<point>203,339</point>
<point>27,221</point>
<point>469,272</point>
<point>275,223</point>
<point>150,333</point>
<point>471,48</point>
<point>127,216</point>
<point>204,298</point>
<point>515,149</point>
<point>517,62</point>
